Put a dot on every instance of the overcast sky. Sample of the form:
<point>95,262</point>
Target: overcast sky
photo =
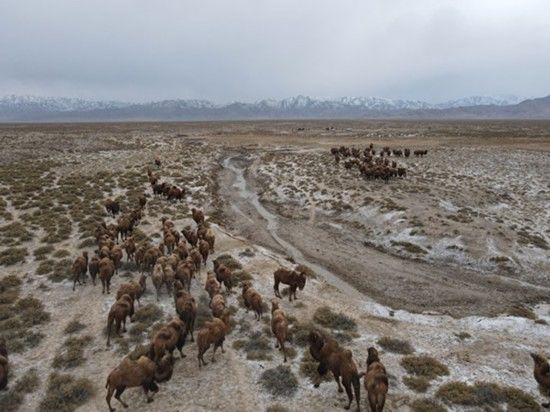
<point>227,50</point>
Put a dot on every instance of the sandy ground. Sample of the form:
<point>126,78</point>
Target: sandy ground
<point>239,173</point>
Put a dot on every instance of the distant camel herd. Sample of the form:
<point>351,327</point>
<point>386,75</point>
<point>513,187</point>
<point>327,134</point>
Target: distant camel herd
<point>372,166</point>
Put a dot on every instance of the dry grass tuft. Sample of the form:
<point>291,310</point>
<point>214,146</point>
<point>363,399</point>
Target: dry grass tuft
<point>72,353</point>
<point>306,270</point>
<point>229,261</point>
<point>279,381</point>
<point>486,395</point>
<point>256,347</point>
<point>425,366</point>
<point>12,255</point>
<point>65,393</point>
<point>276,408</point>
<point>394,345</point>
<point>19,317</point>
<point>427,405</point>
<point>522,312</point>
<point>13,399</point>
<point>417,383</point>
<point>324,316</point>
<point>74,326</point>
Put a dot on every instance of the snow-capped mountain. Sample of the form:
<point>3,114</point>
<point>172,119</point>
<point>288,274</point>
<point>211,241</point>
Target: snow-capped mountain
<point>503,100</point>
<point>30,108</point>
<point>56,104</point>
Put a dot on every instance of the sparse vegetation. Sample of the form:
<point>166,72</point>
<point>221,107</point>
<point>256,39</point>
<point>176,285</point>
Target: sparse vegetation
<point>12,255</point>
<point>229,261</point>
<point>324,316</point>
<point>65,393</point>
<point>306,270</point>
<point>394,345</point>
<point>12,399</point>
<point>409,247</point>
<point>19,317</point>
<point>424,366</point>
<point>522,312</point>
<point>144,318</point>
<point>279,381</point>
<point>427,405</point>
<point>71,353</point>
<point>486,395</point>
<point>256,347</point>
<point>276,408</point>
<point>417,383</point>
<point>74,326</point>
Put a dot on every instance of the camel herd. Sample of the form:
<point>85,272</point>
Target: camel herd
<point>373,166</point>
<point>176,261</point>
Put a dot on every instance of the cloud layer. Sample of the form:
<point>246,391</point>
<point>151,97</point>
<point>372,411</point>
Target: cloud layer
<point>251,49</point>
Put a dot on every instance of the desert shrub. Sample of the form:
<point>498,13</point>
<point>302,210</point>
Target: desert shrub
<point>61,270</point>
<point>417,383</point>
<point>18,318</point>
<point>240,276</point>
<point>14,233</point>
<point>74,326</point>
<point>43,250</point>
<point>427,405</point>
<point>394,345</point>
<point>247,253</point>
<point>45,267</point>
<point>228,261</point>
<point>425,366</point>
<point>409,247</point>
<point>459,393</point>
<point>324,316</point>
<point>276,408</point>
<point>13,399</point>
<point>65,393</point>
<point>463,335</point>
<point>522,312</point>
<point>12,255</point>
<point>519,400</point>
<point>306,270</point>
<point>486,395</point>
<point>144,318</point>
<point>61,253</point>
<point>87,243</point>
<point>71,353</point>
<point>9,292</point>
<point>256,347</point>
<point>279,381</point>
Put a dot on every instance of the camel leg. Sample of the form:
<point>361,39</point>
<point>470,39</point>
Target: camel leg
<point>337,379</point>
<point>350,395</point>
<point>119,392</point>
<point>108,398</point>
<point>146,390</point>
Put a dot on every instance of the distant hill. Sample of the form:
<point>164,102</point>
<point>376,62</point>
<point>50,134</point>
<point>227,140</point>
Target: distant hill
<point>49,109</point>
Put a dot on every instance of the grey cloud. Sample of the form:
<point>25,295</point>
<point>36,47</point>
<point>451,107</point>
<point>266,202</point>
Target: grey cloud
<point>247,50</point>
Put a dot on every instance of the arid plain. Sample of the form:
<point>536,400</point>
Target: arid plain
<point>444,270</point>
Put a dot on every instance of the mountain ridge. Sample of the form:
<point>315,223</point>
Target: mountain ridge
<point>48,109</point>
